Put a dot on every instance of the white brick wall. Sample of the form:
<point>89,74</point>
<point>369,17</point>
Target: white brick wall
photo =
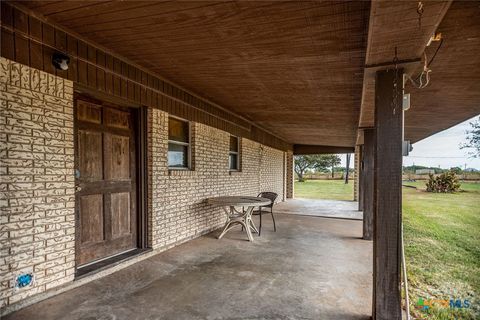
<point>177,198</point>
<point>37,226</point>
<point>37,182</point>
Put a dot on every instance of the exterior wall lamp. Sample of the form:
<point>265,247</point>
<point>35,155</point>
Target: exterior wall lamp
<point>60,61</point>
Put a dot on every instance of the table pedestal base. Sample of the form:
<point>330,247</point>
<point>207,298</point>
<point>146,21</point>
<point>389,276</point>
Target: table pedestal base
<point>235,217</point>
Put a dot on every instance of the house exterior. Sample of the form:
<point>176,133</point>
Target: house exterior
<point>39,110</point>
<point>57,141</point>
<point>107,160</point>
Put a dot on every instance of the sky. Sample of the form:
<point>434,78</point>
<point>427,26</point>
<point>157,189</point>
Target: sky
<point>441,149</point>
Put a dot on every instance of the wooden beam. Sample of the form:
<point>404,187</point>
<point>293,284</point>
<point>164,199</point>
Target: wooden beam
<point>368,181</point>
<point>390,64</point>
<point>387,195</point>
<point>314,149</point>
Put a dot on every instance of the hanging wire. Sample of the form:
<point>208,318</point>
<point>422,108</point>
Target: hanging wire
<point>395,83</point>
<point>420,14</point>
<point>436,50</point>
<point>423,79</point>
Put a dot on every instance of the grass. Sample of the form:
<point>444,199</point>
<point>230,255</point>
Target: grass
<point>324,189</point>
<point>442,243</point>
<point>442,249</point>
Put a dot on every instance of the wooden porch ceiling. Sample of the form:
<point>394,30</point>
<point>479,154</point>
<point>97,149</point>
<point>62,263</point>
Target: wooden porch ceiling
<point>454,92</point>
<point>395,25</point>
<point>294,68</point>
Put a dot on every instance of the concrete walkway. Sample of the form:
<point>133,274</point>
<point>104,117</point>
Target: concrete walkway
<point>321,208</point>
<point>311,268</point>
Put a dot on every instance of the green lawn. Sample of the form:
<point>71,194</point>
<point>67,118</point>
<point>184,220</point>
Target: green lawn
<point>442,243</point>
<point>442,248</point>
<point>324,189</point>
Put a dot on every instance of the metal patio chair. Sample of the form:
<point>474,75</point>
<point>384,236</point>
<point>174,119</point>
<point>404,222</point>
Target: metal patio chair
<point>272,196</point>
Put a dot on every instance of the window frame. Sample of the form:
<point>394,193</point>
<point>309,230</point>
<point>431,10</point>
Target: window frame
<point>180,143</point>
<point>237,153</point>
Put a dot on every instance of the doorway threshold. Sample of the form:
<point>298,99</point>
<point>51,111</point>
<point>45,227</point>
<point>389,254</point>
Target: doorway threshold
<point>103,264</point>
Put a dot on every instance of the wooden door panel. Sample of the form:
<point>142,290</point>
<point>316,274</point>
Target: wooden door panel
<point>89,112</point>
<point>120,208</point>
<point>117,153</point>
<point>90,155</point>
<point>91,218</point>
<point>106,197</point>
<point>117,118</point>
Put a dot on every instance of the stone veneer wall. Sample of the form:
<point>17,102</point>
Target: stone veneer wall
<point>37,230</point>
<point>37,180</point>
<point>178,210</point>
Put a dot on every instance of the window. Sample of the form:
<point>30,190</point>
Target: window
<point>233,154</point>
<point>178,144</point>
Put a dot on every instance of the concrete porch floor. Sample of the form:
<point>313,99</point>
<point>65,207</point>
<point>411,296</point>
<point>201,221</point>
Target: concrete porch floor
<point>321,208</point>
<point>311,268</point>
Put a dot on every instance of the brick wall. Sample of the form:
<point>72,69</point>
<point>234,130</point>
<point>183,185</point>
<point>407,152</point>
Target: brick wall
<point>290,175</point>
<point>37,183</point>
<point>177,198</point>
<point>272,171</point>
<point>37,231</point>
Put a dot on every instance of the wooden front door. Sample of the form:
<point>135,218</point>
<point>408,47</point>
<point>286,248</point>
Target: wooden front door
<point>105,180</point>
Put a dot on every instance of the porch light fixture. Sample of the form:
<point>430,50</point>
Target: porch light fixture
<point>60,61</point>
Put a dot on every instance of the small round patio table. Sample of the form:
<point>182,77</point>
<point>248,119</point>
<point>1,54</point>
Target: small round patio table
<point>234,216</point>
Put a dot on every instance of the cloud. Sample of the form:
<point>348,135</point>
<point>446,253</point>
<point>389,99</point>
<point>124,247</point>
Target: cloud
<point>442,149</point>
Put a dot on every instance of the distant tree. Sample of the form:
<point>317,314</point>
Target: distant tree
<point>413,169</point>
<point>333,160</point>
<point>302,164</point>
<point>456,170</point>
<point>473,139</point>
<point>317,162</point>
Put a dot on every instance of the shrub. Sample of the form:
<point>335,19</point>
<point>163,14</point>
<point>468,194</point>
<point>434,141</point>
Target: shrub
<point>446,182</point>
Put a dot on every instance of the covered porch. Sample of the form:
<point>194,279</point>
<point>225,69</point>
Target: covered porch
<point>340,209</point>
<point>311,268</point>
<point>121,118</point>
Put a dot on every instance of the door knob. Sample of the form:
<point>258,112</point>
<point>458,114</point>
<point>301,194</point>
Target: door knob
<point>78,188</point>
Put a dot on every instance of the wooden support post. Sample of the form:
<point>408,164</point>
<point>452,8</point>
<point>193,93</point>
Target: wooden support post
<point>387,195</point>
<point>368,183</point>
